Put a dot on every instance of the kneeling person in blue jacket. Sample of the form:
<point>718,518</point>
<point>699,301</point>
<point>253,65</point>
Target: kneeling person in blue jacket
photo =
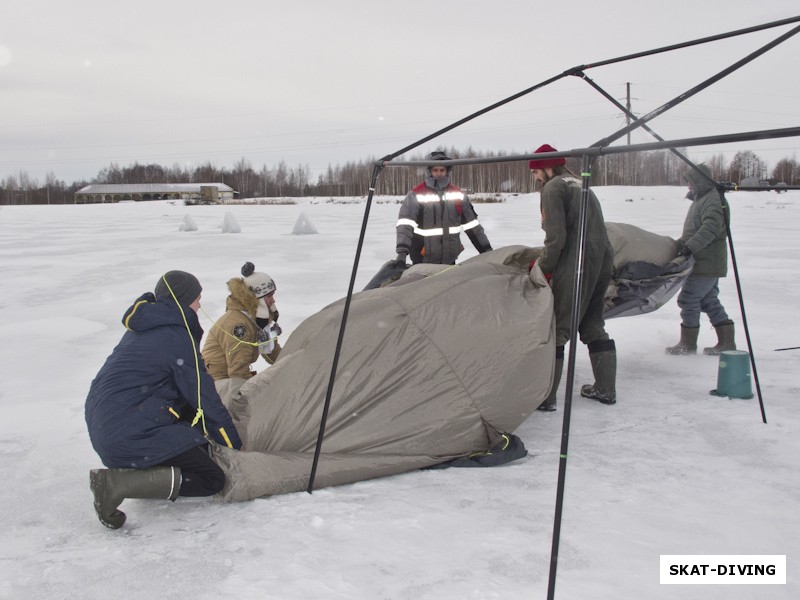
<point>152,408</point>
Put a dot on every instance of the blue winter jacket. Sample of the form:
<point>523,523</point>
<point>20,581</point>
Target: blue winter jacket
<point>141,404</point>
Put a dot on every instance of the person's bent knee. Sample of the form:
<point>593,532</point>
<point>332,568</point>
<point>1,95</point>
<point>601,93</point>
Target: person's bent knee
<point>215,480</point>
<point>601,346</point>
<point>207,482</point>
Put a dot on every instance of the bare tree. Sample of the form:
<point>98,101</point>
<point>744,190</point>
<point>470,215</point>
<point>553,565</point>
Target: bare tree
<point>786,171</point>
<point>244,177</point>
<point>746,164</point>
<point>718,166</point>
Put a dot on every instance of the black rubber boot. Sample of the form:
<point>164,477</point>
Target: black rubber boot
<point>688,343</point>
<point>725,339</point>
<point>549,404</point>
<point>112,486</point>
<point>603,355</point>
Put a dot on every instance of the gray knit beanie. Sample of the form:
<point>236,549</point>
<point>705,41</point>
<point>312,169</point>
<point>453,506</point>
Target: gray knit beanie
<point>184,285</point>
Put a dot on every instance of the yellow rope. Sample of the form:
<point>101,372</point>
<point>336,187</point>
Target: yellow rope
<point>230,335</point>
<point>199,415</point>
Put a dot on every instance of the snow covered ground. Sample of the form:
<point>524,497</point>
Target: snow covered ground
<point>670,469</point>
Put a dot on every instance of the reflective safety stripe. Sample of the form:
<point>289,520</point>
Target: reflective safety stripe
<point>409,222</point>
<point>440,230</point>
<point>448,196</point>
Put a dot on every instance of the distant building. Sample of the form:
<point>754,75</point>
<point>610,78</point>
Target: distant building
<point>192,193</point>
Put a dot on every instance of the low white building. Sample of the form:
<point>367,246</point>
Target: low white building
<point>192,193</point>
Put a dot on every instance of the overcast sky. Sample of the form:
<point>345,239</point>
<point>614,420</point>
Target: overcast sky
<point>85,83</point>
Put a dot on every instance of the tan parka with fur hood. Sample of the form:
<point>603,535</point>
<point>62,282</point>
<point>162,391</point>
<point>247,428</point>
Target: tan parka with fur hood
<point>232,344</point>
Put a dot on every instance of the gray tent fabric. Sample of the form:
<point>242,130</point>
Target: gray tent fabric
<point>433,367</point>
<point>631,243</point>
<point>644,277</point>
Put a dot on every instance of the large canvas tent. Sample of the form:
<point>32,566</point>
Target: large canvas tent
<point>436,368</point>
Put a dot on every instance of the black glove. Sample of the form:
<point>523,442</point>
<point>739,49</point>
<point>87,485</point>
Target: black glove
<point>401,258</point>
<point>681,249</point>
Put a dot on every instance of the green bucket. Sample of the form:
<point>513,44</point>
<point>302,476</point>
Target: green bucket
<point>733,377</point>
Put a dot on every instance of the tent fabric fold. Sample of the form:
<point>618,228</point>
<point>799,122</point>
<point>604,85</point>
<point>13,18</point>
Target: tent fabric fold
<point>430,370</point>
<point>645,278</point>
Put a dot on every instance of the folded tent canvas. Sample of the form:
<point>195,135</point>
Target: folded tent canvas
<point>429,371</point>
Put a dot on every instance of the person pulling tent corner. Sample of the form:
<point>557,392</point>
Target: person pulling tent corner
<point>704,237</point>
<point>560,201</point>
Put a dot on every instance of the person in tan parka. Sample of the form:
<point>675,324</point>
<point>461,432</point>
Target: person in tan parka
<point>248,328</point>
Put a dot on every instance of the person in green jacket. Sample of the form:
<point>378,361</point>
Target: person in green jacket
<point>704,235</point>
<point>560,204</point>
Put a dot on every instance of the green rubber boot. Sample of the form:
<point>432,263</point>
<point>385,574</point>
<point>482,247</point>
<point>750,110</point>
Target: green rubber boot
<point>688,343</point>
<point>603,356</point>
<point>112,486</point>
<point>725,339</point>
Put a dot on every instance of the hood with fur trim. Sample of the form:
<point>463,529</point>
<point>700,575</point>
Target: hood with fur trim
<point>243,296</point>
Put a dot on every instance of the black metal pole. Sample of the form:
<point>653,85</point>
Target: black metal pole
<point>573,338</point>
<point>741,308</point>
<point>580,68</point>
<point>710,140</point>
<point>373,183</point>
<point>474,115</point>
<point>630,115</point>
<point>705,40</point>
<point>696,89</point>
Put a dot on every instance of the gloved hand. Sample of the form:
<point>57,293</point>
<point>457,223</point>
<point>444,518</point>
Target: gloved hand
<point>401,258</point>
<point>677,262</point>
<point>681,249</point>
<point>266,339</point>
<point>276,329</point>
<point>537,277</point>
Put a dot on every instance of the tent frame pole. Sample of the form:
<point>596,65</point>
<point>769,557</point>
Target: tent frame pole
<point>345,312</point>
<point>696,89</point>
<point>735,264</point>
<point>577,288</point>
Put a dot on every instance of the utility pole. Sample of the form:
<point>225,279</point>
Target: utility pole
<point>628,107</point>
<point>628,122</point>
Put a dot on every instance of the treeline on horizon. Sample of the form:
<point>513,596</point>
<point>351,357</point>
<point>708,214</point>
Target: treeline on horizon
<point>660,167</point>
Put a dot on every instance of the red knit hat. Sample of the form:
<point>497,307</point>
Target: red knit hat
<point>544,163</point>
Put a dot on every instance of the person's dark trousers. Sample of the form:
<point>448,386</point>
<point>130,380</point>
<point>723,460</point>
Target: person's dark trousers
<point>200,475</point>
<point>701,294</point>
